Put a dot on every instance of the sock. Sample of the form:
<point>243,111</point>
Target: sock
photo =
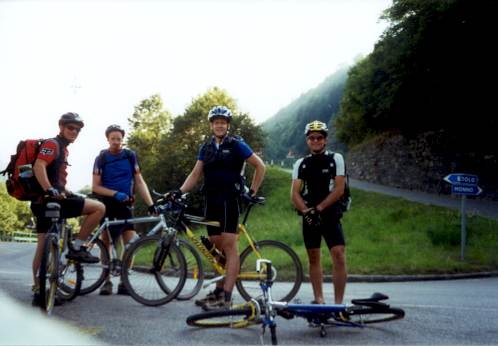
<point>77,244</point>
<point>218,291</point>
<point>228,296</point>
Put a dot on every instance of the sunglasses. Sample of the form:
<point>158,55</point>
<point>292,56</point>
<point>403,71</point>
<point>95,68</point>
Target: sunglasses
<point>73,128</point>
<point>316,138</point>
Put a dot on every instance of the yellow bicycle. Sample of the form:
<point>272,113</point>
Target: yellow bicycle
<point>287,270</point>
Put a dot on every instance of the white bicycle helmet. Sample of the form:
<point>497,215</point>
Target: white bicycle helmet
<point>317,126</point>
<point>221,112</point>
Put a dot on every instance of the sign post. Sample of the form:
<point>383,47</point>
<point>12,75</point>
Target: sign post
<point>464,185</point>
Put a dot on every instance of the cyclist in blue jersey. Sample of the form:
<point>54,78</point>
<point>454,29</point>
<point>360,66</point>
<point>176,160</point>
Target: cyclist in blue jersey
<point>220,162</point>
<point>318,182</point>
<point>116,175</point>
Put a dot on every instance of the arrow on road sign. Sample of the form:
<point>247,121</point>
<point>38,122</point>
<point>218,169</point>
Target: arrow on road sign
<point>461,179</point>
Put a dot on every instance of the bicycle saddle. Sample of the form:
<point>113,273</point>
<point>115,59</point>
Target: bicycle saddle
<point>375,298</point>
<point>52,210</point>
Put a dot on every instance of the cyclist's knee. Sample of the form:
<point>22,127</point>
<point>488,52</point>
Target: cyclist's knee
<point>94,207</point>
<point>338,256</point>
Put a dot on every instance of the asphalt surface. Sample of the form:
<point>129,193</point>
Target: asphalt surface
<point>482,207</point>
<point>447,312</point>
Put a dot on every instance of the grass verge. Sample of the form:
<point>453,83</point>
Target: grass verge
<point>384,235</point>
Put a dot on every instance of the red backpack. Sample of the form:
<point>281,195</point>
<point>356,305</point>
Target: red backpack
<point>21,181</point>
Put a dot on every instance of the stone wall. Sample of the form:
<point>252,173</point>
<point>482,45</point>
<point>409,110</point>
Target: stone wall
<point>419,164</point>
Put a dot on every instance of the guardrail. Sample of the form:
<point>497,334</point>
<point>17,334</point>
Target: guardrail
<point>24,237</point>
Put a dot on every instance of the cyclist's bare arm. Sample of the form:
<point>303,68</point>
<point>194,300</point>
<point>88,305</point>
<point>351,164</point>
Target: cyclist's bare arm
<point>334,195</point>
<point>143,189</point>
<point>40,171</point>
<point>296,196</point>
<point>193,178</point>
<point>260,169</point>
<point>99,189</point>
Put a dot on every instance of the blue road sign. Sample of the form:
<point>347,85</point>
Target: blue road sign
<point>461,179</point>
<point>471,190</point>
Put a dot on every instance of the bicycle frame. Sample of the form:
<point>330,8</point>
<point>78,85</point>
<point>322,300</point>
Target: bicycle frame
<point>215,263</point>
<point>58,232</point>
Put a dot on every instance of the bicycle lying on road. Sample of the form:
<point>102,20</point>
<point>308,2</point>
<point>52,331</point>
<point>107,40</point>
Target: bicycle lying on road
<point>58,276</point>
<point>287,272</point>
<point>264,309</point>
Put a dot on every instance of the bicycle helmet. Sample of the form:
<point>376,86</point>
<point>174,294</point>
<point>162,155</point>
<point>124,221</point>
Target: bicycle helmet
<point>317,126</point>
<point>112,128</point>
<point>71,118</point>
<point>221,112</point>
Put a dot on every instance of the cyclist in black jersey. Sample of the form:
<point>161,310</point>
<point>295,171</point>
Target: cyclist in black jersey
<point>318,182</point>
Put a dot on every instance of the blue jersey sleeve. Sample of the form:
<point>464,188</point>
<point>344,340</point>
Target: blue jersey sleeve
<point>96,166</point>
<point>134,162</point>
<point>244,150</point>
<point>202,152</point>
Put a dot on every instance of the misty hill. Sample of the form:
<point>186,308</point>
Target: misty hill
<point>285,129</point>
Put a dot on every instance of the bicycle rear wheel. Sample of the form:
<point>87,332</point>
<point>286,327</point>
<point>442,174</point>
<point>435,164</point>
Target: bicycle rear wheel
<point>238,317</point>
<point>286,266</point>
<point>146,284</point>
<point>195,271</point>
<point>48,273</point>
<point>94,274</point>
<point>367,315</point>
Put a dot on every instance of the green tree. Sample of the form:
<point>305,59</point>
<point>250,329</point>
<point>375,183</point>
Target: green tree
<point>149,122</point>
<point>429,68</point>
<point>14,214</point>
<point>180,146</point>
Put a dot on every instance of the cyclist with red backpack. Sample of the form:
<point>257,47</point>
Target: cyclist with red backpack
<point>50,170</point>
<point>116,175</point>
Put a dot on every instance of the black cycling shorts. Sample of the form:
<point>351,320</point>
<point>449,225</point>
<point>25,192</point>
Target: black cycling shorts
<point>70,207</point>
<point>225,210</point>
<point>115,210</point>
<point>330,229</point>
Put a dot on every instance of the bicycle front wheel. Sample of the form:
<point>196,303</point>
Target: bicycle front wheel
<point>286,267</point>
<point>237,317</point>
<point>70,273</point>
<point>94,274</point>
<point>48,273</point>
<point>195,271</point>
<point>366,314</point>
<point>70,276</point>
<point>146,283</point>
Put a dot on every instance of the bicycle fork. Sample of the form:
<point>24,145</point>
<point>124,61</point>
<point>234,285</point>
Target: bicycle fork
<point>163,251</point>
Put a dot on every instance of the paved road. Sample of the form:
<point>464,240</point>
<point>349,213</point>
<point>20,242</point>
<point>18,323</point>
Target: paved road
<point>484,208</point>
<point>455,312</point>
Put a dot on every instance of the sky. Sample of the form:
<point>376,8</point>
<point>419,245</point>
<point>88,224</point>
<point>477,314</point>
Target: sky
<point>101,58</point>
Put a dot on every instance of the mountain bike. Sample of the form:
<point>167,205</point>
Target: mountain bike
<point>141,282</point>
<point>264,309</point>
<point>287,273</point>
<point>57,275</point>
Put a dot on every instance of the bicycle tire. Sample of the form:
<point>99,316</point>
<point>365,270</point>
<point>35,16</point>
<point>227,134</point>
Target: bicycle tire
<point>48,273</point>
<point>144,283</point>
<point>195,271</point>
<point>237,317</point>
<point>287,267</point>
<point>366,315</point>
<point>273,334</point>
<point>94,274</point>
<point>70,274</point>
<point>70,279</point>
